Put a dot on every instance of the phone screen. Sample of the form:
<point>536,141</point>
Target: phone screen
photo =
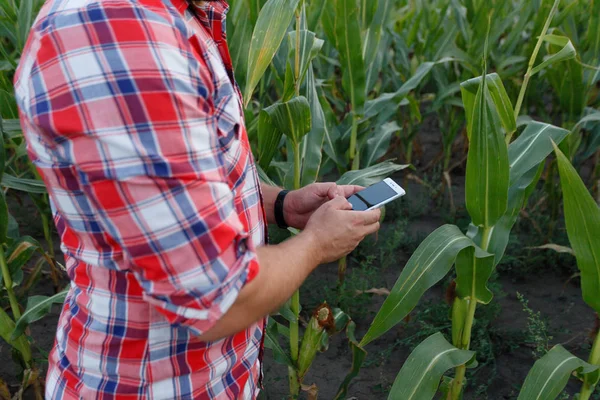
<point>371,196</point>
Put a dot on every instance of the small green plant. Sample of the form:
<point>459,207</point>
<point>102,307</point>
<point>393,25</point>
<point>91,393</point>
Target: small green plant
<point>537,329</point>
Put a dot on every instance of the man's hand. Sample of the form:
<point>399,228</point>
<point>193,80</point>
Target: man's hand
<point>300,204</point>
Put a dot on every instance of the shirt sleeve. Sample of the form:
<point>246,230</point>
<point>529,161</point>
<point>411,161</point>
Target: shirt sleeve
<point>139,126</point>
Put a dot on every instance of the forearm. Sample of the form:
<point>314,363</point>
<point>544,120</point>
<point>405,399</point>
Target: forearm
<point>283,269</point>
<point>269,194</point>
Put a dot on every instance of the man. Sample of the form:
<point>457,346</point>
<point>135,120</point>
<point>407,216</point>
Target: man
<point>133,119</point>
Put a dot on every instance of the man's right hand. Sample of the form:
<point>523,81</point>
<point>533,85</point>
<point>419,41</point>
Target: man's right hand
<point>336,230</point>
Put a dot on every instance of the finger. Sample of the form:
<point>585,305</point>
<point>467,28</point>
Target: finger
<point>322,189</point>
<point>335,190</point>
<point>370,217</point>
<point>340,203</point>
<point>349,190</point>
<point>369,229</point>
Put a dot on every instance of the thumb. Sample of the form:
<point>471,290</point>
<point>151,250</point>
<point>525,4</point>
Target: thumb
<point>340,203</point>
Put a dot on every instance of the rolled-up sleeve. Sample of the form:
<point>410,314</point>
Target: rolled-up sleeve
<point>150,161</point>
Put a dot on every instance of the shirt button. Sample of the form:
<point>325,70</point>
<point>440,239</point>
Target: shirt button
<point>242,247</point>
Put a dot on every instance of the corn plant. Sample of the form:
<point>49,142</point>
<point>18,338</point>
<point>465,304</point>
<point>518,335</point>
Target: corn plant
<point>297,119</point>
<point>500,176</point>
<point>550,374</point>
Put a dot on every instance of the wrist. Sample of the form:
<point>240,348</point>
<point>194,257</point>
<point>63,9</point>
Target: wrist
<point>279,209</point>
<point>312,247</point>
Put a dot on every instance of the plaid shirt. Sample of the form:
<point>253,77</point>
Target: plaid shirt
<point>133,119</point>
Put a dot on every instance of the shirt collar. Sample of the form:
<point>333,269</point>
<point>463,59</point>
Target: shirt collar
<point>219,7</point>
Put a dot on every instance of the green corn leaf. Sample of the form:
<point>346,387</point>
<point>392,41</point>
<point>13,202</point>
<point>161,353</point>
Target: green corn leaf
<point>473,270</point>
<point>373,36</point>
<point>239,44</point>
<point>498,97</point>
<point>4,218</point>
<point>582,218</point>
<point>269,31</point>
<point>272,342</point>
<point>7,327</point>
<point>378,143</point>
<point>24,21</point>
<point>20,251</point>
<point>371,175</point>
<point>310,46</point>
<point>460,309</point>
<point>348,43</point>
<point>390,102</point>
<point>487,174</point>
<point>268,137</point>
<point>532,147</point>
<point>312,143</point>
<point>422,372</point>
<point>11,127</point>
<point>331,133</point>
<point>292,118</point>
<point>23,184</point>
<point>428,265</point>
<point>550,374</point>
<point>2,150</point>
<point>358,357</point>
<point>567,51</point>
<point>37,308</point>
<point>566,78</point>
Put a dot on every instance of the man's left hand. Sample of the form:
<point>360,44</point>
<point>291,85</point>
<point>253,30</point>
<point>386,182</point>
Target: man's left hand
<point>300,204</point>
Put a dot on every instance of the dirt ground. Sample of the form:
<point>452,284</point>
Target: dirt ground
<point>504,350</point>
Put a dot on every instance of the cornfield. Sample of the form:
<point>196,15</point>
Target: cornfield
<point>505,92</point>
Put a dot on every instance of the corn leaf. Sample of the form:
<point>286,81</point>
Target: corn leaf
<point>498,97</point>
<point>473,270</point>
<point>23,184</point>
<point>370,175</point>
<point>487,174</point>
<point>3,218</point>
<point>268,137</point>
<point>2,150</point>
<point>348,43</point>
<point>239,44</point>
<point>358,357</point>
<point>567,51</point>
<point>7,327</point>
<point>269,31</point>
<point>272,342</point>
<point>310,46</point>
<point>378,143</point>
<point>532,147</point>
<point>292,118</point>
<point>422,372</point>
<point>389,102</point>
<point>373,36</point>
<point>20,252</point>
<point>312,143</point>
<point>550,374</point>
<point>24,21</point>
<point>567,78</point>
<point>582,218</point>
<point>37,308</point>
<point>428,265</point>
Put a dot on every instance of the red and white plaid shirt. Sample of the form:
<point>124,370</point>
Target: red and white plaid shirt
<point>133,119</point>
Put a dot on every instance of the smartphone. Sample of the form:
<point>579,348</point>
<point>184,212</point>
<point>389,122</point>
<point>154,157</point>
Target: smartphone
<point>376,195</point>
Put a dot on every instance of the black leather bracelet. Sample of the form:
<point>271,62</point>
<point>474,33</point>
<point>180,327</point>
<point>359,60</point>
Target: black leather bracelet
<point>278,209</point>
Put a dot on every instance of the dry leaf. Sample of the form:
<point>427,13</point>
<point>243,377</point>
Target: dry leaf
<point>4,392</point>
<point>312,391</point>
<point>556,247</point>
<point>379,292</point>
